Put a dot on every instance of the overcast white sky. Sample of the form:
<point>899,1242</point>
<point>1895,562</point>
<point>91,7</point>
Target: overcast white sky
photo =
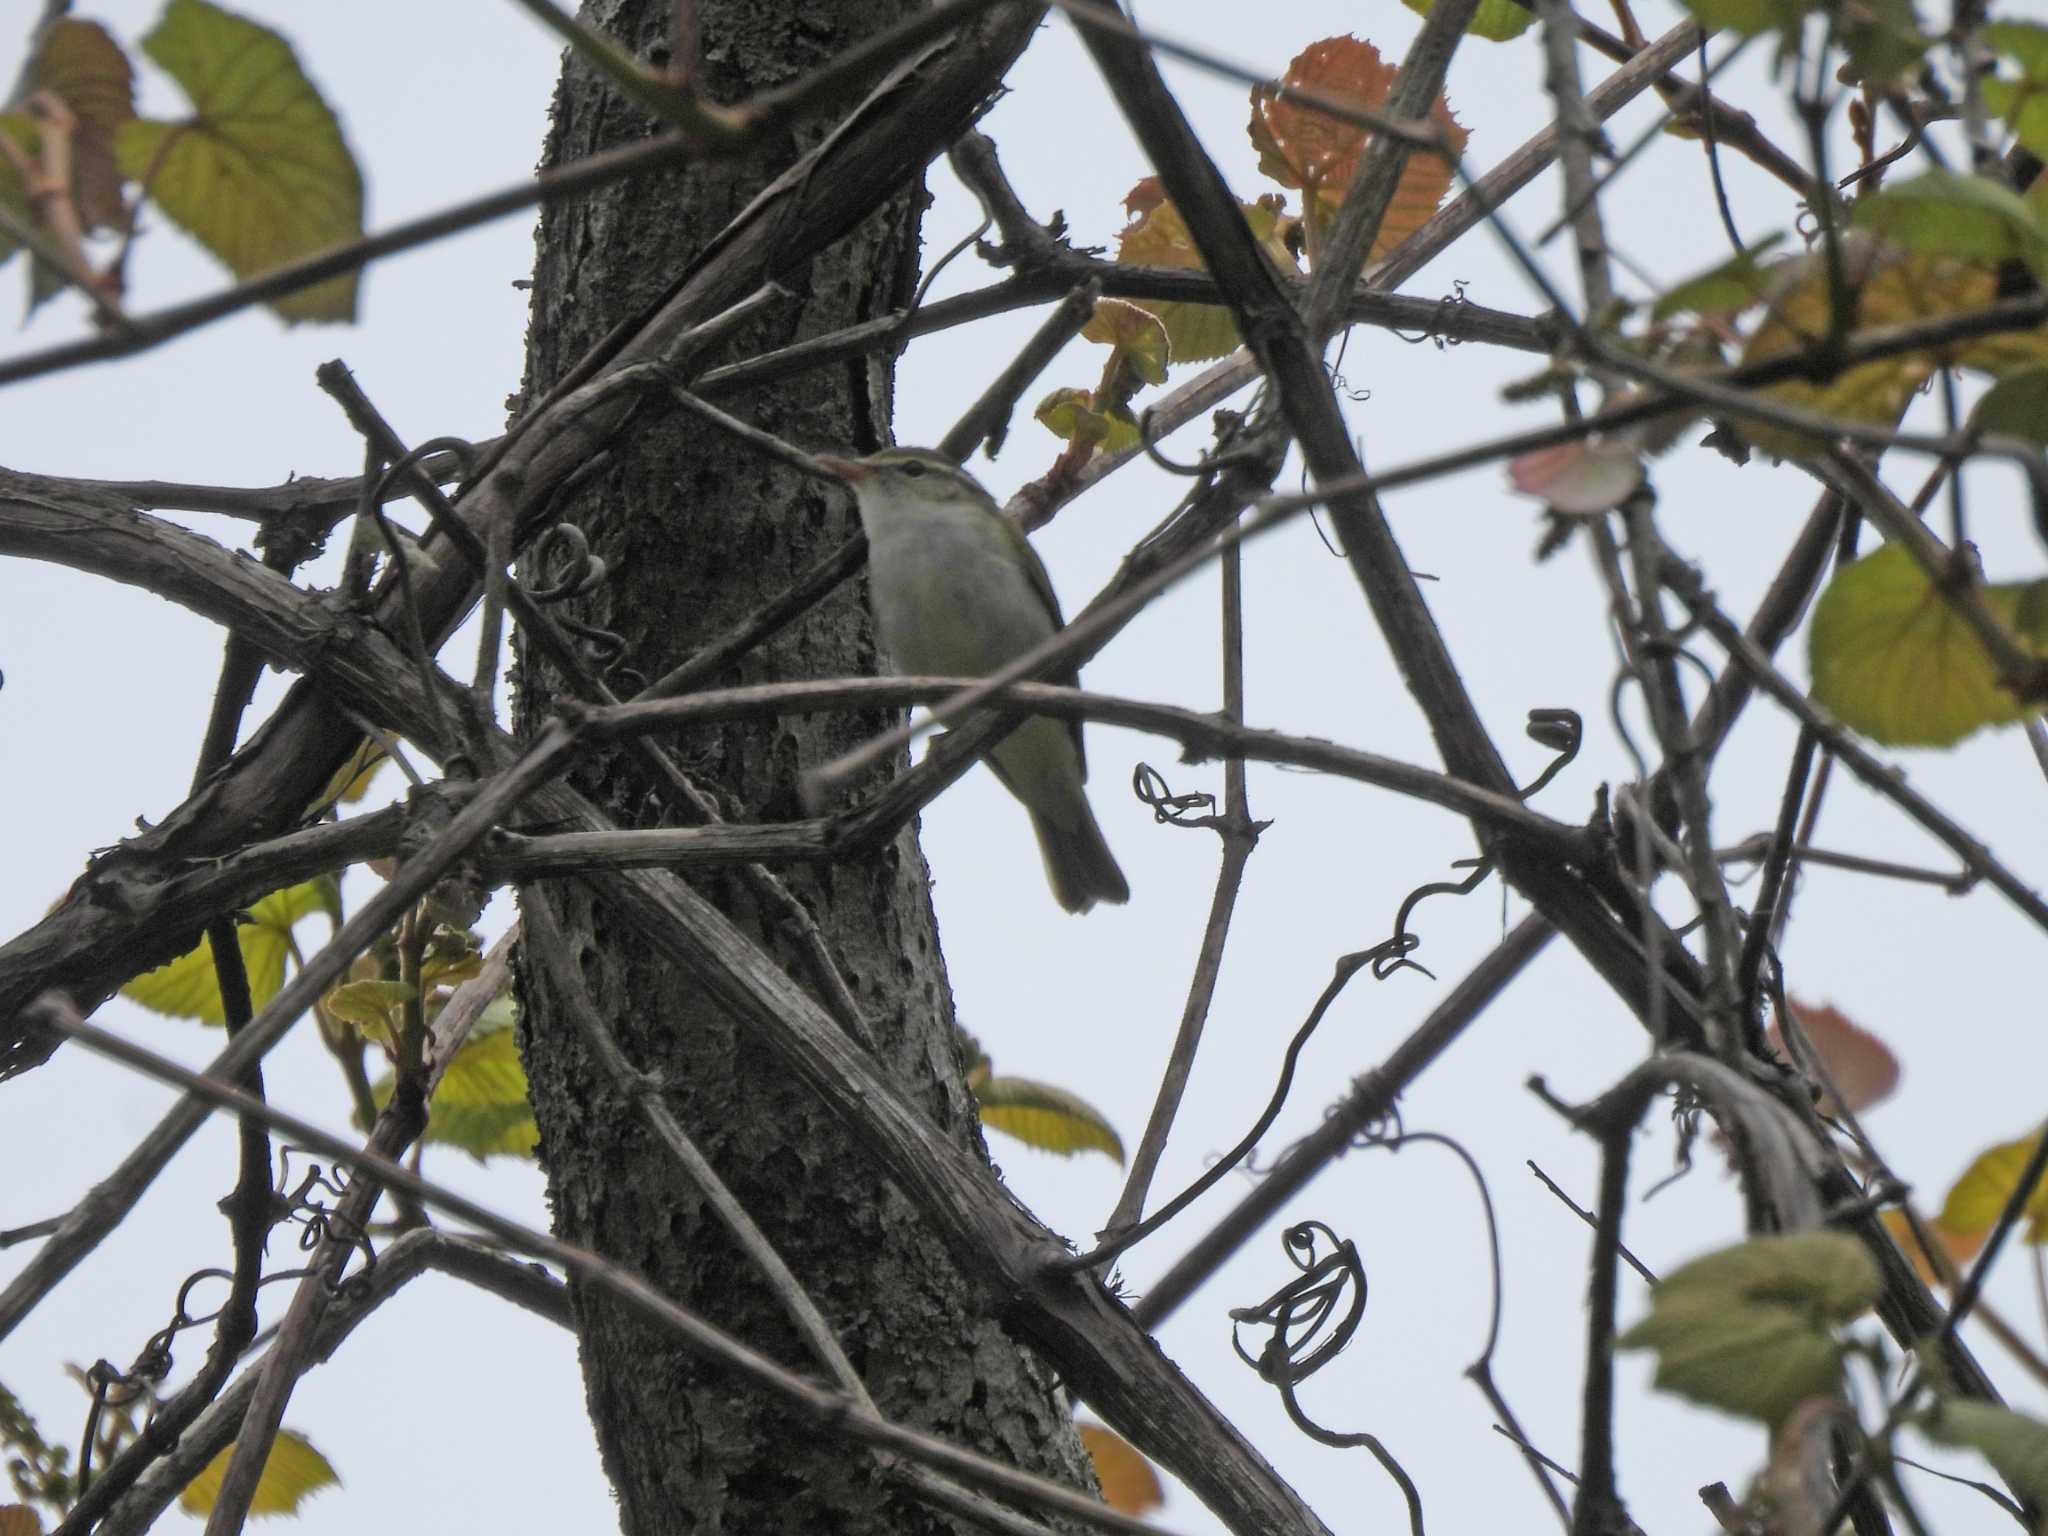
<point>451,1409</point>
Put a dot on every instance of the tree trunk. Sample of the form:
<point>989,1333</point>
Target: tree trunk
<point>697,529</point>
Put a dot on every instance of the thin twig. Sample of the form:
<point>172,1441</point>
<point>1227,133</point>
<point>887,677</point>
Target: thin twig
<point>1578,1210</point>
<point>1239,834</point>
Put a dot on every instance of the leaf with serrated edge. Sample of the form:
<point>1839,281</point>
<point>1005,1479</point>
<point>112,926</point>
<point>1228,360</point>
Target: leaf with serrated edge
<point>260,174</point>
<point>188,988</point>
<point>1157,236</point>
<point>1049,1118</point>
<point>1300,146</point>
<point>292,1471</point>
<point>1894,660</point>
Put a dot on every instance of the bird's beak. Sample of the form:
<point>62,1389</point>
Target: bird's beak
<point>852,471</point>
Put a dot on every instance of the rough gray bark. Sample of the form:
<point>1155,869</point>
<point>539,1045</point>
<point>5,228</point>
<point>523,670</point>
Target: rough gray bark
<point>696,530</point>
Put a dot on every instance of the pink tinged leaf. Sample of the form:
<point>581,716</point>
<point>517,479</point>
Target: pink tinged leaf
<point>1595,475</point>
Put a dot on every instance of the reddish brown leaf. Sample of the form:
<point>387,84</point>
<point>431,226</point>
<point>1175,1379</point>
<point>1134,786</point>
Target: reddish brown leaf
<point>81,64</point>
<point>1302,146</point>
<point>1862,1065</point>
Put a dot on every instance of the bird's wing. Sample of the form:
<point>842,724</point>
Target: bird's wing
<point>1069,675</point>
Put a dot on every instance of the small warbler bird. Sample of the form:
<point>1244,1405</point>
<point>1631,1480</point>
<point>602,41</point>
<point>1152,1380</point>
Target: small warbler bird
<point>958,591</point>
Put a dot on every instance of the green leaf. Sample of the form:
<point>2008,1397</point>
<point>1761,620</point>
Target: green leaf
<point>1892,659</point>
<point>2015,406</point>
<point>1972,217</point>
<point>291,1471</point>
<point>1748,1329</point>
<point>1977,1197</point>
<point>1497,21</point>
<point>1881,37</point>
<point>2015,1445</point>
<point>2023,103</point>
<point>481,1103</point>
<point>1049,1118</point>
<point>1757,1361</point>
<point>188,988</point>
<point>1727,289</point>
<point>1829,1276</point>
<point>259,174</point>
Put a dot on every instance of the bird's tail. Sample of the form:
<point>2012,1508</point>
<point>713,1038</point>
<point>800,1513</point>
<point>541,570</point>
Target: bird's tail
<point>1077,859</point>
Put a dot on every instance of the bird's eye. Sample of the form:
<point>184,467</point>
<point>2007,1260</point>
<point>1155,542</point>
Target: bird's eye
<point>916,469</point>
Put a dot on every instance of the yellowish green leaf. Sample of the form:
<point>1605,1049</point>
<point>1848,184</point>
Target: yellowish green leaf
<point>371,1005</point>
<point>1049,1118</point>
<point>1129,1485</point>
<point>1892,658</point>
<point>481,1104</point>
<point>259,174</point>
<point>1071,414</point>
<point>352,779</point>
<point>1136,334</point>
<point>1498,21</point>
<point>2014,1444</point>
<point>1975,1200</point>
<point>187,987</point>
<point>292,1471</point>
<point>1889,288</point>
<point>1157,236</point>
